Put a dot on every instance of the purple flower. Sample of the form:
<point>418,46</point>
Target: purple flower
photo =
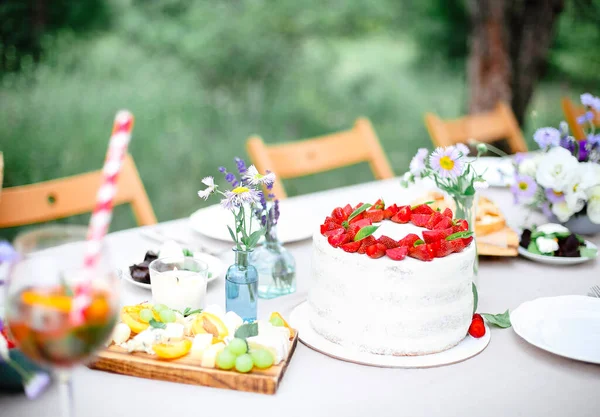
<point>7,252</point>
<point>547,137</point>
<point>588,116</point>
<point>241,165</point>
<point>554,196</point>
<point>524,188</point>
<point>570,144</point>
<point>587,99</point>
<point>547,210</point>
<point>593,140</point>
<point>36,384</point>
<point>229,177</point>
<point>520,157</point>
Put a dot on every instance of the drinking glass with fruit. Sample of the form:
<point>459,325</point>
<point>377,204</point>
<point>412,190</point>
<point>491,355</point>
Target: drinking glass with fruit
<point>45,293</point>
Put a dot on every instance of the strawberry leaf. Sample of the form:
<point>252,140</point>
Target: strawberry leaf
<point>418,242</point>
<point>421,204</point>
<point>365,232</point>
<point>500,320</point>
<point>460,235</point>
<point>358,211</point>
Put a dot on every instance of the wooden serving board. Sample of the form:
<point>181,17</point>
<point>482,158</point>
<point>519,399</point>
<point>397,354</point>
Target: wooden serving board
<point>188,371</point>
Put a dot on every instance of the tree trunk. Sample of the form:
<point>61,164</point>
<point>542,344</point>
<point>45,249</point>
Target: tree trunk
<point>509,45</point>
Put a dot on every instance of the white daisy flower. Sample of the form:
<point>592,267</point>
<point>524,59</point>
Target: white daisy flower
<point>255,178</point>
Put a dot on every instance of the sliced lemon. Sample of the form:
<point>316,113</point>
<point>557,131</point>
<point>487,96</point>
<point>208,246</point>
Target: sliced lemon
<point>210,323</point>
<point>130,315</point>
<point>172,350</point>
<point>278,316</point>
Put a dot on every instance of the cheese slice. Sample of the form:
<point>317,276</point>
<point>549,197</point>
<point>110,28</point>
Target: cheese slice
<point>200,344</point>
<point>209,356</point>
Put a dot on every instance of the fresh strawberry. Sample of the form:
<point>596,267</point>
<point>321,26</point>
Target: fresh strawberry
<point>329,226</point>
<point>403,215</point>
<point>420,219</point>
<point>409,240</point>
<point>445,223</point>
<point>459,244</point>
<point>442,248</point>
<point>422,209</point>
<point>338,214</point>
<point>388,214</point>
<point>477,316</point>
<point>334,232</point>
<point>448,213</point>
<point>376,251</point>
<point>397,254</point>
<point>352,230</point>
<point>462,224</point>
<point>422,252</point>
<point>467,240</point>
<point>351,247</point>
<point>339,240</point>
<point>365,243</point>
<point>379,205</point>
<point>347,210</point>
<point>430,236</point>
<point>361,222</point>
<point>375,215</point>
<point>477,328</point>
<point>435,219</point>
<point>357,218</point>
<point>358,205</point>
<point>394,208</point>
<point>388,242</point>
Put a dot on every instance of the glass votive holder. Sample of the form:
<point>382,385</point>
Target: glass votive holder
<point>179,282</point>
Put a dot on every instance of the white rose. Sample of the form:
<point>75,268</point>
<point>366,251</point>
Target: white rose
<point>528,167</point>
<point>593,204</point>
<point>556,169</point>
<point>562,211</point>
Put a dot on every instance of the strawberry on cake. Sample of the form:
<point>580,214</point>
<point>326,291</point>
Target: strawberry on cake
<point>392,280</point>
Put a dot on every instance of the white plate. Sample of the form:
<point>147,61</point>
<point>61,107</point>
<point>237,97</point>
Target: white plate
<point>568,326</point>
<point>295,223</point>
<point>498,172</point>
<point>466,349</point>
<point>215,266</point>
<point>556,260</point>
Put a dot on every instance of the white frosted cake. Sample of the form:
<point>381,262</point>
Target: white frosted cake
<point>387,306</point>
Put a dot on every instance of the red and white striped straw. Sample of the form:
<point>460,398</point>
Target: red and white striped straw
<point>102,214</point>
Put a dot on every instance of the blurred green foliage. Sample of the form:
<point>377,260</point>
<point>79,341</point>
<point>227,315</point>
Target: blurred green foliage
<point>202,76</point>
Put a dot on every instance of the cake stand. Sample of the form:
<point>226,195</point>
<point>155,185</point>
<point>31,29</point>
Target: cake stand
<point>466,349</point>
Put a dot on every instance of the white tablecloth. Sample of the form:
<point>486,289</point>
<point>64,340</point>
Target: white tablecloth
<point>509,378</point>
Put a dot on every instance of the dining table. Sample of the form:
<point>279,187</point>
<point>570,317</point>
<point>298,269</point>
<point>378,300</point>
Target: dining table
<point>509,378</point>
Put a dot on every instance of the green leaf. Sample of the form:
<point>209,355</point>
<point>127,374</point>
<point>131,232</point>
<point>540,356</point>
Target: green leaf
<point>188,312</point>
<point>365,232</point>
<point>232,234</point>
<point>470,190</point>
<point>247,330</point>
<point>187,252</point>
<point>417,243</point>
<point>421,204</point>
<point>586,252</point>
<point>500,320</point>
<point>475,297</point>
<point>533,248</point>
<point>358,211</point>
<point>254,238</point>
<point>157,324</point>
<point>460,235</point>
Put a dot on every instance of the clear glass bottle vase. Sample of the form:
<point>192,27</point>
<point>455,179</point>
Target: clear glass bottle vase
<point>466,208</point>
<point>241,287</point>
<point>276,267</point>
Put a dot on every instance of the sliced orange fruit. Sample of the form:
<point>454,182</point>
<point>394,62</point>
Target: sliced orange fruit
<point>278,318</point>
<point>210,323</point>
<point>53,301</point>
<point>172,350</point>
<point>130,315</point>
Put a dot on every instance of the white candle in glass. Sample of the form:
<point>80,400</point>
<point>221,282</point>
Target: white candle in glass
<point>179,283</point>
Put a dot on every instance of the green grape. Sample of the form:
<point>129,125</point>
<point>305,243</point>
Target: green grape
<point>238,346</point>
<point>244,363</point>
<point>262,358</point>
<point>146,315</point>
<point>167,316</point>
<point>277,321</point>
<point>226,359</point>
<point>160,307</point>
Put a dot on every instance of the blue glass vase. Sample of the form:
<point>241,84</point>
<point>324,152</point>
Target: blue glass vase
<point>241,282</point>
<point>276,267</point>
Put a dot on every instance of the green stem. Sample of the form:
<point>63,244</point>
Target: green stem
<point>25,375</point>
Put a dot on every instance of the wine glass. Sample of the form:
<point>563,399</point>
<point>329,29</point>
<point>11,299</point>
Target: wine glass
<point>40,292</point>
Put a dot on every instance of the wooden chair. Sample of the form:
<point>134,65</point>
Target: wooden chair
<point>572,112</point>
<point>56,199</point>
<point>324,153</point>
<point>484,127</point>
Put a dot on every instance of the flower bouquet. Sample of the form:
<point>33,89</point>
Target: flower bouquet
<point>564,180</point>
<point>243,200</point>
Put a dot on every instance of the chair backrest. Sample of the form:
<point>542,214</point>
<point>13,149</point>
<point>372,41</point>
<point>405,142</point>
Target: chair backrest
<point>572,112</point>
<point>56,199</point>
<point>497,124</point>
<point>323,153</point>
